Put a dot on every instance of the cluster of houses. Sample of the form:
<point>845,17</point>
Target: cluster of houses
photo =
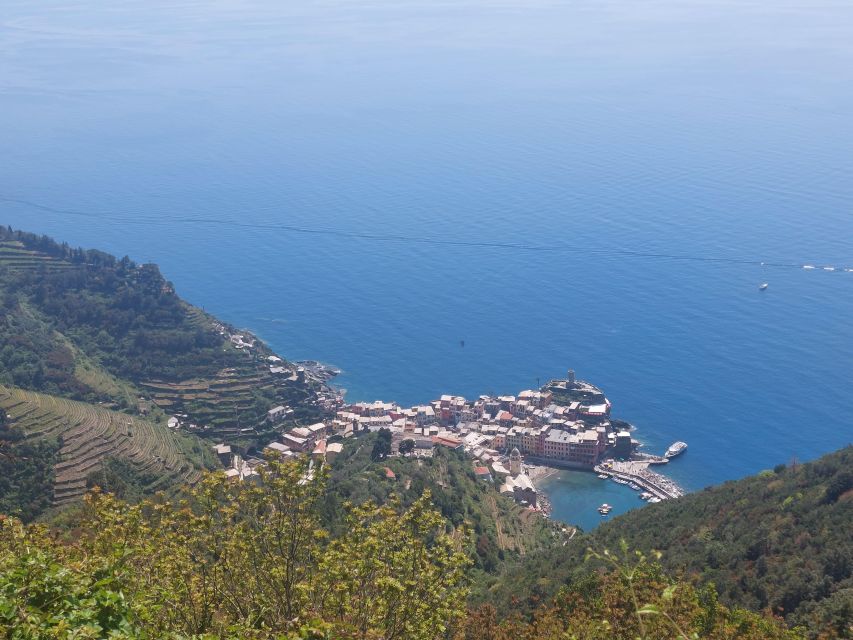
<point>572,432</point>
<point>301,441</point>
<point>567,423</point>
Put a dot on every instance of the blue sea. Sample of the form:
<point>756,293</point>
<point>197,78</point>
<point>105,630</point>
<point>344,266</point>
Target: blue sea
<point>588,184</point>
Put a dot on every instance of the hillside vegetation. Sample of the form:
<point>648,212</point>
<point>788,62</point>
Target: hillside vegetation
<point>779,541</point>
<point>239,561</point>
<point>500,528</point>
<point>85,325</point>
<point>78,438</point>
<point>95,353</point>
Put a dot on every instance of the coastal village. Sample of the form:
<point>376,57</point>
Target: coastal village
<point>511,440</point>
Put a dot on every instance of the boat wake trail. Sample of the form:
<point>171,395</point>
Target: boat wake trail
<point>414,240</point>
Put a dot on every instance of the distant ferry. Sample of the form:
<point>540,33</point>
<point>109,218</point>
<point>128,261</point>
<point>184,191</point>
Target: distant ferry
<point>763,286</point>
<point>677,448</point>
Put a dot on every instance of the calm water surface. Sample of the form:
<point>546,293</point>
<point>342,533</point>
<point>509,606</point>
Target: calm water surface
<point>559,184</point>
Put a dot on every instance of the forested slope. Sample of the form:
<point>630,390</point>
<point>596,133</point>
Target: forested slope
<point>779,541</point>
<point>95,353</point>
<point>499,528</point>
<point>85,325</point>
<point>52,448</point>
<point>241,561</point>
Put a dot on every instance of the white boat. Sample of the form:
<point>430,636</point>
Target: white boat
<point>645,495</point>
<point>603,476</point>
<point>677,448</point>
<point>604,509</point>
<point>808,266</point>
<point>763,286</point>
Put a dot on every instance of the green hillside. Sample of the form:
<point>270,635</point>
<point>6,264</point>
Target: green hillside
<point>500,529</point>
<point>240,561</point>
<point>87,326</point>
<point>95,353</point>
<point>779,541</point>
<point>72,440</point>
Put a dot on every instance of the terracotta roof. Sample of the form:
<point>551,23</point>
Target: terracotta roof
<point>452,443</point>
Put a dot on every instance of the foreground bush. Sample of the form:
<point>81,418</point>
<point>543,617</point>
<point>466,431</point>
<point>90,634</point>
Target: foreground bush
<point>244,561</point>
<point>234,560</point>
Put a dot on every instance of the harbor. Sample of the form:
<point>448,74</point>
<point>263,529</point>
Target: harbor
<point>517,443</point>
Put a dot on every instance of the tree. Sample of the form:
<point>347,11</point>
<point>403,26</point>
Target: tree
<point>382,447</point>
<point>633,600</point>
<point>398,575</point>
<point>407,446</point>
<point>236,560</point>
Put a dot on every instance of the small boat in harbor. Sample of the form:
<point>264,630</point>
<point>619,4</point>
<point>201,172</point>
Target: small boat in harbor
<point>635,487</point>
<point>677,448</point>
<point>763,286</point>
<point>603,476</point>
<point>605,509</point>
<point>645,495</point>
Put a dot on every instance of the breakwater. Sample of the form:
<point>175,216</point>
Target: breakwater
<point>637,471</point>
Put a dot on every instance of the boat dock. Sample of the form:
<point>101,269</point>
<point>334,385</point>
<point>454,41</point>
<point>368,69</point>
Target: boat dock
<point>637,472</point>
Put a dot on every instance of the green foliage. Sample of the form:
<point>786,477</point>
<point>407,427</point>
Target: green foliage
<point>26,472</point>
<point>499,528</point>
<point>382,445</point>
<point>779,542</point>
<point>53,447</point>
<point>631,600</point>
<point>409,577</point>
<point>85,325</point>
<point>121,479</point>
<point>45,593</point>
<point>234,560</point>
<point>124,315</point>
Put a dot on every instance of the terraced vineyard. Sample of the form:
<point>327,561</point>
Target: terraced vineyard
<point>85,325</point>
<point>14,255</point>
<point>219,401</point>
<point>89,434</point>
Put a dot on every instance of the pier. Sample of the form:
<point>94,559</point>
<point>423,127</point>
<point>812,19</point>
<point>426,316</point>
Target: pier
<point>638,473</point>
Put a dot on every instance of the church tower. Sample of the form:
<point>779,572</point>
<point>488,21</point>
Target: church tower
<point>515,462</point>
